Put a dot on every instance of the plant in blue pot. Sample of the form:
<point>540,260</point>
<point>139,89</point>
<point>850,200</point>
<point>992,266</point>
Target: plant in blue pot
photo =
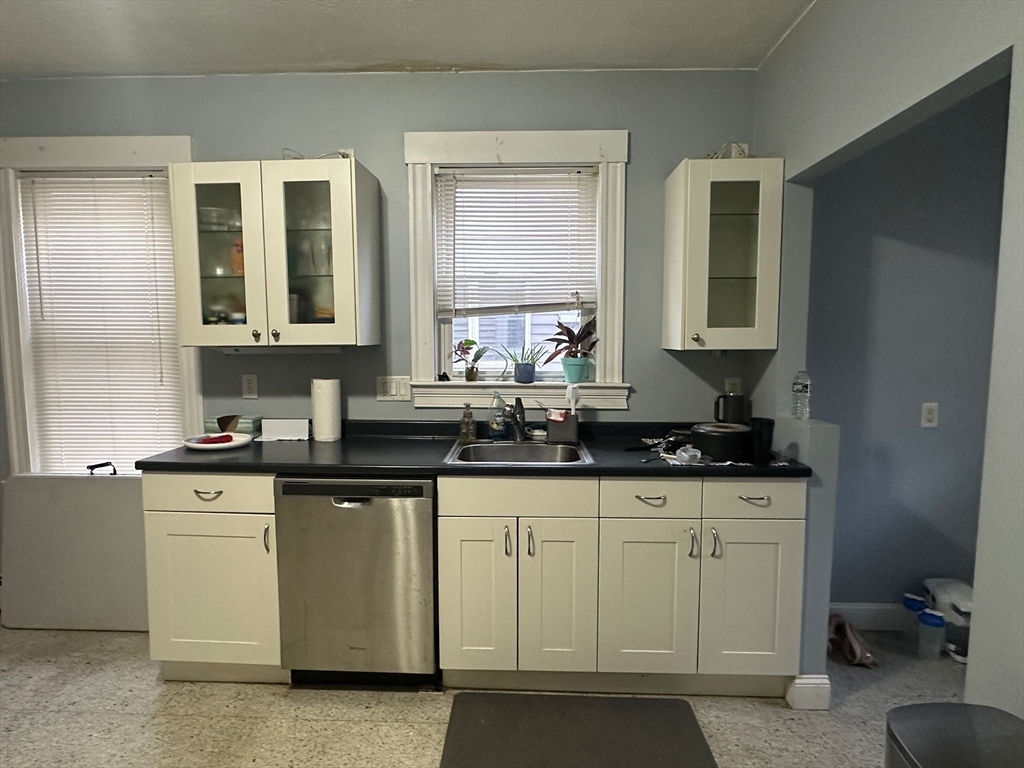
<point>576,348</point>
<point>524,362</point>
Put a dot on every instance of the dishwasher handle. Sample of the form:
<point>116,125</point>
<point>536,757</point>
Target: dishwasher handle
<point>344,502</point>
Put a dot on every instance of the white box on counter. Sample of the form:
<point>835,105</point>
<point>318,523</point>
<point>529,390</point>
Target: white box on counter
<point>284,429</point>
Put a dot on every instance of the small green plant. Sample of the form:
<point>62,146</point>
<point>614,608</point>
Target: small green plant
<point>463,352</point>
<point>530,355</point>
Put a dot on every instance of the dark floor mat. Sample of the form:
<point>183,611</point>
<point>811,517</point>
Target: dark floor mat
<point>525,730</point>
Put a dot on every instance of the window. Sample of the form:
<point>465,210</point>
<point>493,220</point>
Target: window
<point>510,234</point>
<point>100,355</point>
<point>515,252</point>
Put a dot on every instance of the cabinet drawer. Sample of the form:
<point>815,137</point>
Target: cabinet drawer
<point>763,498</point>
<point>638,497</point>
<point>208,493</point>
<point>512,497</point>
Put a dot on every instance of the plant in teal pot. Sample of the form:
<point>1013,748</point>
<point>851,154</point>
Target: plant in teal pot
<point>576,348</point>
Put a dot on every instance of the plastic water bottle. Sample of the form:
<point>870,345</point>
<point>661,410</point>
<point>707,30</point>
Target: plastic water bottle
<point>802,396</point>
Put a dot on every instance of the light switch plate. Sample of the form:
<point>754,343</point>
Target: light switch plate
<point>250,386</point>
<point>929,415</point>
<point>733,384</point>
<point>394,388</point>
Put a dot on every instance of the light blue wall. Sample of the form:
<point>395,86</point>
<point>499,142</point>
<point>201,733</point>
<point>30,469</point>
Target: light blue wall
<point>902,297</point>
<point>670,115</point>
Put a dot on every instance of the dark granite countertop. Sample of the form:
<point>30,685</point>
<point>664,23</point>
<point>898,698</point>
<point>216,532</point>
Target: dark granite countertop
<point>414,456</point>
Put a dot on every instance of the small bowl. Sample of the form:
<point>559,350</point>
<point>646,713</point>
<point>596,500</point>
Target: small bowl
<point>540,435</point>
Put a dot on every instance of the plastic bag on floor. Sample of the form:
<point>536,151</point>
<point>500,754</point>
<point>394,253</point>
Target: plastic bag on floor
<point>845,642</point>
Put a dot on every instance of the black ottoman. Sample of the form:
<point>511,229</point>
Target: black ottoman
<point>953,736</point>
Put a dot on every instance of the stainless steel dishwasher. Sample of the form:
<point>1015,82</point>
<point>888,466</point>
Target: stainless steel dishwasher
<point>356,575</point>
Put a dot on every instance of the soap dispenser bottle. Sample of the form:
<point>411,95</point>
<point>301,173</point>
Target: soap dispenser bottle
<point>467,426</point>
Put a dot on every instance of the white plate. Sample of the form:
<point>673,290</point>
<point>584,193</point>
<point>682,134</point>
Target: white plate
<point>240,439</point>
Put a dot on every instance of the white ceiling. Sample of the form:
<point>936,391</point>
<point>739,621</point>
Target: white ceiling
<point>49,38</point>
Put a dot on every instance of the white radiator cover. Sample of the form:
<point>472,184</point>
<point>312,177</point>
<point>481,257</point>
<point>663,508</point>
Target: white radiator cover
<point>74,553</point>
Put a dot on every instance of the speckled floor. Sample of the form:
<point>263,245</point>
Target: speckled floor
<point>83,699</point>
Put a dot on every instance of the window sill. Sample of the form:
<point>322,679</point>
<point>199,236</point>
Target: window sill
<point>612,396</point>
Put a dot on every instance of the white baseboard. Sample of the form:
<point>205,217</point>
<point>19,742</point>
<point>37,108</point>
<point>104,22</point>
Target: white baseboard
<point>874,617</point>
<point>809,692</point>
<point>202,672</point>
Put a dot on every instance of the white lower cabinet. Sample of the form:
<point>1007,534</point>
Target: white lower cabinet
<point>212,584</point>
<point>558,594</point>
<point>476,574</point>
<point>649,586</point>
<point>751,596</point>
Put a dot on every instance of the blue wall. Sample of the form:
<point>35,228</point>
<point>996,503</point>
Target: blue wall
<point>669,116</point>
<point>903,276</point>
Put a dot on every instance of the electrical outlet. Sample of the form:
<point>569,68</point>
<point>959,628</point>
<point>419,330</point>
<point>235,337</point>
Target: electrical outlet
<point>250,386</point>
<point>929,415</point>
<point>733,384</point>
<point>393,388</point>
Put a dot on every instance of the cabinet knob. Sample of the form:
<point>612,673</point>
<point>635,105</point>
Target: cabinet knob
<point>276,334</point>
<point>695,337</point>
<point>256,335</point>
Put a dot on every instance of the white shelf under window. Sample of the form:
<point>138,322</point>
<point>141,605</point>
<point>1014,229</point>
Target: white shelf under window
<point>454,394</point>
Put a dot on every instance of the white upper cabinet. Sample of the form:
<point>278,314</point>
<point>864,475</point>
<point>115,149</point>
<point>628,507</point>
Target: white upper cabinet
<point>723,233</point>
<point>218,254</point>
<point>277,253</point>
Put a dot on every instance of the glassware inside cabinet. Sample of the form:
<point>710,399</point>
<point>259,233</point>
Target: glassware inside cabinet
<point>307,210</point>
<point>732,254</point>
<point>221,253</point>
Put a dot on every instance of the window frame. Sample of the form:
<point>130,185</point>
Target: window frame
<point>70,153</point>
<point>426,151</point>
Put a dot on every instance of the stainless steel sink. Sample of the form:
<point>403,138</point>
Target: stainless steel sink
<point>525,454</point>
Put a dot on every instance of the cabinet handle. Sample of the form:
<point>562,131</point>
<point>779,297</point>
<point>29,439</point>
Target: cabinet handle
<point>714,548</point>
<point>256,335</point>
<point>508,543</point>
<point>266,537</point>
<point>695,337</point>
<point>756,498</point>
<point>207,495</point>
<point>530,549</point>
<point>649,499</point>
<point>694,549</point>
<point>276,334</point>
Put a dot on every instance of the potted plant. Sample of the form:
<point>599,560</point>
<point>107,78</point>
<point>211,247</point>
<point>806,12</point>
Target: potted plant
<point>575,348</point>
<point>525,362</point>
<point>463,353</point>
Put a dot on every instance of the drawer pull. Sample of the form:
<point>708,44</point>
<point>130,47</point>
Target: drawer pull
<point>266,537</point>
<point>650,499</point>
<point>756,498</point>
<point>207,495</point>
<point>694,550</point>
<point>714,548</point>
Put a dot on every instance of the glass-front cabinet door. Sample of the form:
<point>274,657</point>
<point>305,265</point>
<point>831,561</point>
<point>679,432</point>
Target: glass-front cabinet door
<point>308,226</point>
<point>218,252</point>
<point>733,241</point>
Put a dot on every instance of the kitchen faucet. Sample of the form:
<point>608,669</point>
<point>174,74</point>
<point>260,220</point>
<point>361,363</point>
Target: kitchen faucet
<point>516,416</point>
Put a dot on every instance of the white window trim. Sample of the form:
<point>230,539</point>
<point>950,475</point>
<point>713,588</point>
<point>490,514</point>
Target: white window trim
<point>62,153</point>
<point>609,150</point>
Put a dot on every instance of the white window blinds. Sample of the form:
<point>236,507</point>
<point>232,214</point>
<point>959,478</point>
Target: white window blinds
<point>507,242</point>
<point>101,358</point>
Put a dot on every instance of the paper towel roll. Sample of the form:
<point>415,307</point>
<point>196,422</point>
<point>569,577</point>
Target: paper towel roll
<point>326,395</point>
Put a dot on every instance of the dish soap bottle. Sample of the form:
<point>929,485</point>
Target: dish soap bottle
<point>497,420</point>
<point>467,426</point>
